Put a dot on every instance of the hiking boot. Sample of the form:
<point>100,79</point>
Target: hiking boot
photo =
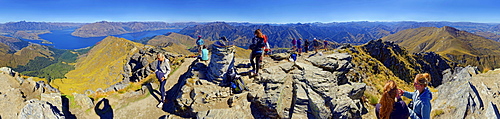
<point>160,105</point>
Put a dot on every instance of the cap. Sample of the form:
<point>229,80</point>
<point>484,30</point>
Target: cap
<point>199,36</point>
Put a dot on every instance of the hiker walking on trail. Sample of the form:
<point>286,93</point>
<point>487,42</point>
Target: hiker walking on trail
<point>199,43</point>
<point>294,44</point>
<point>162,70</point>
<point>258,45</point>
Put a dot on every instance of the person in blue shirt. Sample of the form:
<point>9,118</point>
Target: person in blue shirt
<point>421,97</point>
<point>199,43</point>
<point>204,53</point>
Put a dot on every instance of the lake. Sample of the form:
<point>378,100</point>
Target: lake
<point>62,39</point>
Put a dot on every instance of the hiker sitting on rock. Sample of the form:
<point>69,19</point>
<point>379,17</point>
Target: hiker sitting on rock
<point>162,70</point>
<point>421,98</point>
<point>388,108</point>
<point>204,53</point>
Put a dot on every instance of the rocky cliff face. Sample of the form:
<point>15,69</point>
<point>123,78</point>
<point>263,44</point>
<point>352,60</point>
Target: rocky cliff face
<point>405,65</point>
<point>467,94</point>
<point>25,98</point>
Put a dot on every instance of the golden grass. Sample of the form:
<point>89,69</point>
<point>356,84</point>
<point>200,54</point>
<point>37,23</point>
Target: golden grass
<point>102,67</point>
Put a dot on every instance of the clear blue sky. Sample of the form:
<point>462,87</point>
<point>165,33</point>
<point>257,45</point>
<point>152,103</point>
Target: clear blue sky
<point>256,11</point>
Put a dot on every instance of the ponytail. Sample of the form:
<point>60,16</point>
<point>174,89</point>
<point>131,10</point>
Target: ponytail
<point>423,79</point>
<point>387,100</point>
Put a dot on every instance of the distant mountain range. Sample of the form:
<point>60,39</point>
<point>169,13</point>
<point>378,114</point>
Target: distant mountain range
<point>280,35</point>
<point>105,28</point>
<point>31,30</point>
<point>459,46</point>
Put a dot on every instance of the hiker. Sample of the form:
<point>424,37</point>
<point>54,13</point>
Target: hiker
<point>199,43</point>
<point>316,44</point>
<point>257,47</point>
<point>306,45</point>
<point>299,46</point>
<point>421,98</point>
<point>204,53</point>
<point>325,43</point>
<point>391,106</point>
<point>294,44</point>
<point>162,70</point>
<point>267,49</point>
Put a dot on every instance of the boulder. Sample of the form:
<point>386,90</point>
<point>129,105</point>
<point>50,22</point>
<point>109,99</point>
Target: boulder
<point>280,56</point>
<point>36,109</point>
<point>54,99</point>
<point>492,111</point>
<point>83,101</point>
<point>459,98</point>
<point>459,74</point>
<point>7,70</point>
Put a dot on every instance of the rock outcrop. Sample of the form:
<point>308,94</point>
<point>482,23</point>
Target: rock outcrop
<point>465,95</point>
<point>36,109</point>
<point>44,101</point>
<point>315,88</point>
<point>405,65</point>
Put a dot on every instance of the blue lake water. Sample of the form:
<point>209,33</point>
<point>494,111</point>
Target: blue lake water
<point>62,39</point>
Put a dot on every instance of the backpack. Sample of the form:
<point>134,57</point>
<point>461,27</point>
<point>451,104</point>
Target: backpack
<point>260,43</point>
<point>236,83</point>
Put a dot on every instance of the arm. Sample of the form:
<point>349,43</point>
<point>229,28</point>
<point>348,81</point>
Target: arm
<point>167,67</point>
<point>426,110</point>
<point>408,94</point>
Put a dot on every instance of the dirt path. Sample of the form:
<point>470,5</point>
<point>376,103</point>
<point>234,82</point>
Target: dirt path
<point>137,106</point>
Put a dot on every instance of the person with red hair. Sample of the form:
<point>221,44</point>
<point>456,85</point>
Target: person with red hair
<point>391,106</point>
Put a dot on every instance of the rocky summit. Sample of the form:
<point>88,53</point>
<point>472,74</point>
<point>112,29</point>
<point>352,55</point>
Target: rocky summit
<point>342,83</point>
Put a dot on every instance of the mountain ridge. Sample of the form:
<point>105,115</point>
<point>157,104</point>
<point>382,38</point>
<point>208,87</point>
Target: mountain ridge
<point>101,67</point>
<point>105,28</point>
<point>459,46</point>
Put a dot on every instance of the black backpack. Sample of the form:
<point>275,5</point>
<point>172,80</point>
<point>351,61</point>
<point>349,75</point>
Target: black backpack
<point>259,43</point>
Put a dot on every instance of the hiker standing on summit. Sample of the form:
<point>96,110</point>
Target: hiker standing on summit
<point>162,70</point>
<point>199,43</point>
<point>257,47</point>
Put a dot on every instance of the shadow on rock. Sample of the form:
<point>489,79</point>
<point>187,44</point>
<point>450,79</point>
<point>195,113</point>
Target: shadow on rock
<point>153,92</point>
<point>173,93</point>
<point>65,108</point>
<point>106,112</point>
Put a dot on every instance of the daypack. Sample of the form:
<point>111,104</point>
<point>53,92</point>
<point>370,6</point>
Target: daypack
<point>236,83</point>
<point>260,43</point>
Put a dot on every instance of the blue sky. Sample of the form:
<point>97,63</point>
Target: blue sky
<point>255,11</point>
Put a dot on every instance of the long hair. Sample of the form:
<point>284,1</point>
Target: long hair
<point>258,33</point>
<point>387,100</point>
<point>423,79</point>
